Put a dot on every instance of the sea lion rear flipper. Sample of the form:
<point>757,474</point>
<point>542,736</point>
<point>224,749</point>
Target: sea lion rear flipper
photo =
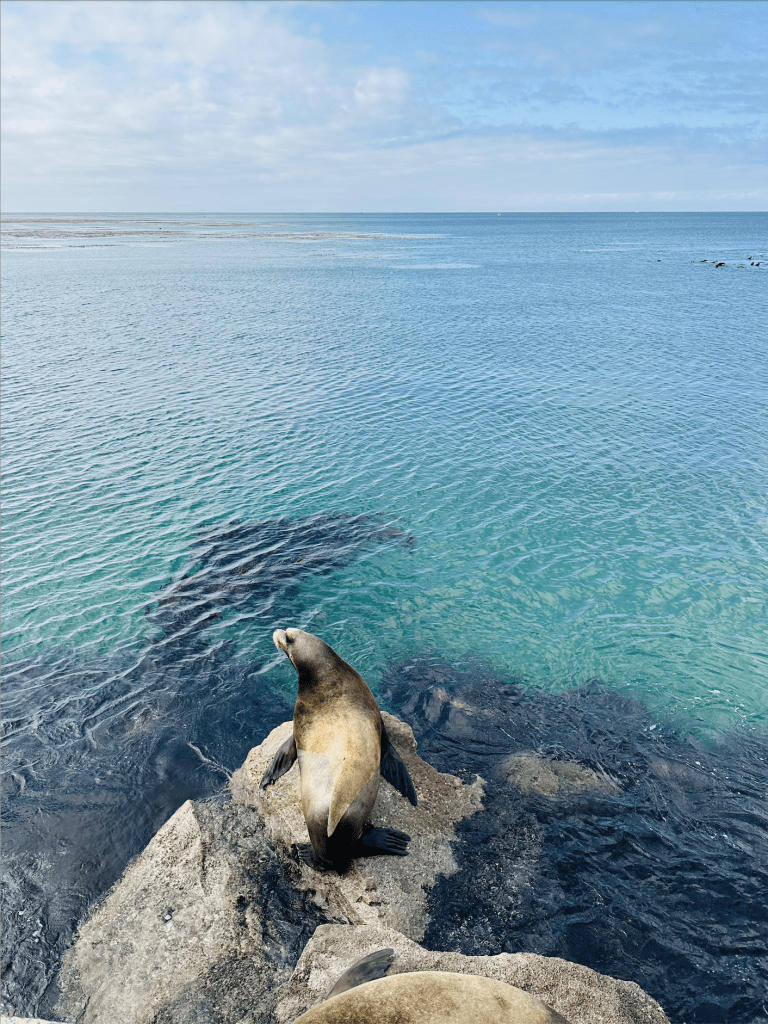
<point>393,769</point>
<point>373,966</point>
<point>384,840</point>
<point>281,762</point>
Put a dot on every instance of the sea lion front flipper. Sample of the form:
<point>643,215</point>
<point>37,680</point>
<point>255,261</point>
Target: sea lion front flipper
<point>393,769</point>
<point>281,762</point>
<point>373,966</point>
<point>384,840</point>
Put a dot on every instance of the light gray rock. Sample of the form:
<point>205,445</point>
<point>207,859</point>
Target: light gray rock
<point>581,995</point>
<point>207,923</point>
<point>386,890</point>
<point>199,930</point>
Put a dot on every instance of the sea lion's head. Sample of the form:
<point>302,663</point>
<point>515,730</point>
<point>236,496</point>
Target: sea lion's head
<point>309,655</point>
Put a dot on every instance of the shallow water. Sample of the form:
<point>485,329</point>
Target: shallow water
<point>551,434</point>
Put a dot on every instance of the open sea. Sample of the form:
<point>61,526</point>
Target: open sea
<point>514,468</point>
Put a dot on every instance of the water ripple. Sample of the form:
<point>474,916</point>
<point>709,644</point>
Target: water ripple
<point>566,412</point>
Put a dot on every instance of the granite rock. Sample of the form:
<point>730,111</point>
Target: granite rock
<point>210,919</point>
<point>207,925</point>
<point>200,929</point>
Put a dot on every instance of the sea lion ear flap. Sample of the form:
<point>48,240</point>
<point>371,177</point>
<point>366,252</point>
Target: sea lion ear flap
<point>393,769</point>
<point>371,967</point>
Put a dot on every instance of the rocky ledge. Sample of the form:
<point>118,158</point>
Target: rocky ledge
<point>217,922</point>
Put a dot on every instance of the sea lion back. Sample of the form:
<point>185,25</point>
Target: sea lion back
<point>433,997</point>
<point>339,757</point>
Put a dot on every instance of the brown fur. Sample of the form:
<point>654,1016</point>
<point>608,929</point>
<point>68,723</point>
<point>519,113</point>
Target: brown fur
<point>337,729</point>
<point>433,997</point>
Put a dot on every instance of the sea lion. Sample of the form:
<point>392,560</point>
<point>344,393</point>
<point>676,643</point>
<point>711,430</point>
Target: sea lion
<point>424,997</point>
<point>343,751</point>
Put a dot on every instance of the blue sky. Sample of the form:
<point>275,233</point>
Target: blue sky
<point>140,105</point>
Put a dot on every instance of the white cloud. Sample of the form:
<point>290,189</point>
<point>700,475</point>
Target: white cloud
<point>224,106</point>
<point>177,71</point>
<point>382,91</point>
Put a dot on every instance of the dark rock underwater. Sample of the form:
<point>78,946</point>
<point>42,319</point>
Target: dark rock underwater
<point>659,877</point>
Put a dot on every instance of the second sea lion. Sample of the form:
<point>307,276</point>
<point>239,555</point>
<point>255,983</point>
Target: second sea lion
<point>424,997</point>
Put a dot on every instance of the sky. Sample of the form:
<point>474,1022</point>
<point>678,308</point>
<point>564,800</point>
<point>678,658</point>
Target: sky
<point>383,106</point>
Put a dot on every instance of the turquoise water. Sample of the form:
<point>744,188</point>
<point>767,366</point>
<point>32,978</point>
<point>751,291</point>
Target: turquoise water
<point>567,411</point>
<point>520,457</point>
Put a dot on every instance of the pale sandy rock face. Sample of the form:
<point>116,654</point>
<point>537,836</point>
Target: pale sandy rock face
<point>202,926</point>
<point>207,924</point>
<point>211,918</point>
<point>579,994</point>
<point>375,890</point>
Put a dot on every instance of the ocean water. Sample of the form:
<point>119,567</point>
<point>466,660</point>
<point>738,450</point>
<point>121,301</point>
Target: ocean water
<point>531,449</point>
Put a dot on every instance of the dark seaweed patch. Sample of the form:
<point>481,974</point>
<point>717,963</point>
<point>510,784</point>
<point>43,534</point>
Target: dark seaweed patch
<point>255,567</point>
<point>660,878</point>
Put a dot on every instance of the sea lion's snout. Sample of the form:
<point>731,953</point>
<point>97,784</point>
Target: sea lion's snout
<point>281,640</point>
<point>286,638</point>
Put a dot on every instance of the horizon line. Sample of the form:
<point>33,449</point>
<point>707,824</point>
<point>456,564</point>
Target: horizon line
<point>350,213</point>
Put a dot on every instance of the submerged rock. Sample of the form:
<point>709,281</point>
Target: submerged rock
<point>661,879</point>
<point>247,566</point>
<point>532,773</point>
